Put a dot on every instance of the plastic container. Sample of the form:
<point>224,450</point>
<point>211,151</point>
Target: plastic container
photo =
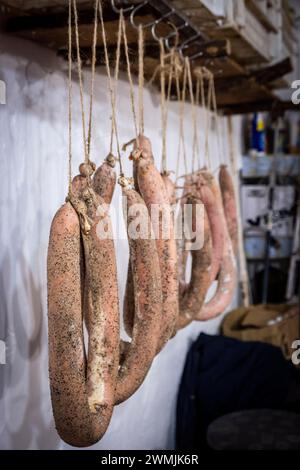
<point>259,166</point>
<point>255,246</point>
<point>287,165</point>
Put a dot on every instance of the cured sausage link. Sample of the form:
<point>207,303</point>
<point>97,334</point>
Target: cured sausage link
<point>101,292</point>
<point>74,421</point>
<point>103,303</point>
<point>229,205</point>
<point>226,285</point>
<point>170,188</point>
<point>153,191</point>
<point>128,303</point>
<point>227,275</point>
<point>206,186</point>
<point>138,356</point>
<point>104,180</point>
<point>182,252</point>
<point>194,296</point>
<point>128,306</point>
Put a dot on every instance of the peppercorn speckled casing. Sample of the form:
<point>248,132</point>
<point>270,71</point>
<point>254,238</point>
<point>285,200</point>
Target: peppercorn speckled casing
<point>153,191</point>
<point>74,421</point>
<point>138,356</point>
<point>103,303</point>
<point>226,285</point>
<point>227,275</point>
<point>104,181</point>
<point>194,296</point>
<point>182,252</point>
<point>209,193</point>
<point>170,188</point>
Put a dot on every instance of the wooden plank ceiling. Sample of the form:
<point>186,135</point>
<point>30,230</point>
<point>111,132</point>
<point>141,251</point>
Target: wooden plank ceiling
<point>45,22</point>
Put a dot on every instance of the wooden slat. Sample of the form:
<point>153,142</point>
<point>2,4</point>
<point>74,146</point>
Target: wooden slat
<point>263,76</point>
<point>274,106</point>
<point>56,37</point>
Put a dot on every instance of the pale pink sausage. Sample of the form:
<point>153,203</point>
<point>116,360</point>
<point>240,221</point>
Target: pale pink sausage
<point>182,252</point>
<point>229,205</point>
<point>213,205</point>
<point>194,296</point>
<point>227,275</point>
<point>139,354</point>
<point>104,180</point>
<point>226,285</point>
<point>170,188</point>
<point>101,298</point>
<point>74,421</point>
<point>154,193</point>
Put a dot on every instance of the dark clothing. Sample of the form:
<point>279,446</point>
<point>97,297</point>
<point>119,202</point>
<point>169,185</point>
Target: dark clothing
<point>223,375</point>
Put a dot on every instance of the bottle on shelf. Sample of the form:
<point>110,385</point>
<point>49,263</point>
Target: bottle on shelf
<point>270,135</point>
<point>258,141</point>
<point>283,143</point>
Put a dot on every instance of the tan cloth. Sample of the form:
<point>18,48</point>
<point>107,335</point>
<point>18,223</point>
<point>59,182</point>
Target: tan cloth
<point>274,324</point>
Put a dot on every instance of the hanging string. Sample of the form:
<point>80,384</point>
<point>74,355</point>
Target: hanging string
<point>201,80</point>
<point>208,124</point>
<point>181,123</point>
<point>196,150</point>
<point>86,155</point>
<point>169,87</point>
<point>132,100</point>
<point>116,79</point>
<point>226,160</point>
<point>112,89</point>
<point>141,80</point>
<point>215,111</point>
<point>70,94</point>
<point>163,105</point>
<point>176,70</point>
<point>191,93</point>
<point>92,76</point>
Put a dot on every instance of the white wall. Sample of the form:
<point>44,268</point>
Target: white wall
<point>33,168</point>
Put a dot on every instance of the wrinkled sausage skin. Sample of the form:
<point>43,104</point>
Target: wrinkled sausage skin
<point>74,421</point>
<point>210,196</point>
<point>227,274</point>
<point>226,285</point>
<point>153,191</point>
<point>104,180</point>
<point>182,252</point>
<point>102,302</point>
<point>170,188</point>
<point>194,296</point>
<point>146,277</point>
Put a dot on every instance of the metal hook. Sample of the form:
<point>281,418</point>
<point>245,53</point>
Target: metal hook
<point>134,10</point>
<point>151,23</point>
<point>117,10</point>
<point>186,43</point>
<point>195,56</point>
<point>174,33</point>
<point>157,38</point>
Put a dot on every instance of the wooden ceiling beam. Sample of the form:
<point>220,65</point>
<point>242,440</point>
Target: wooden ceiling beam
<point>50,21</point>
<point>260,77</point>
<point>274,106</point>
